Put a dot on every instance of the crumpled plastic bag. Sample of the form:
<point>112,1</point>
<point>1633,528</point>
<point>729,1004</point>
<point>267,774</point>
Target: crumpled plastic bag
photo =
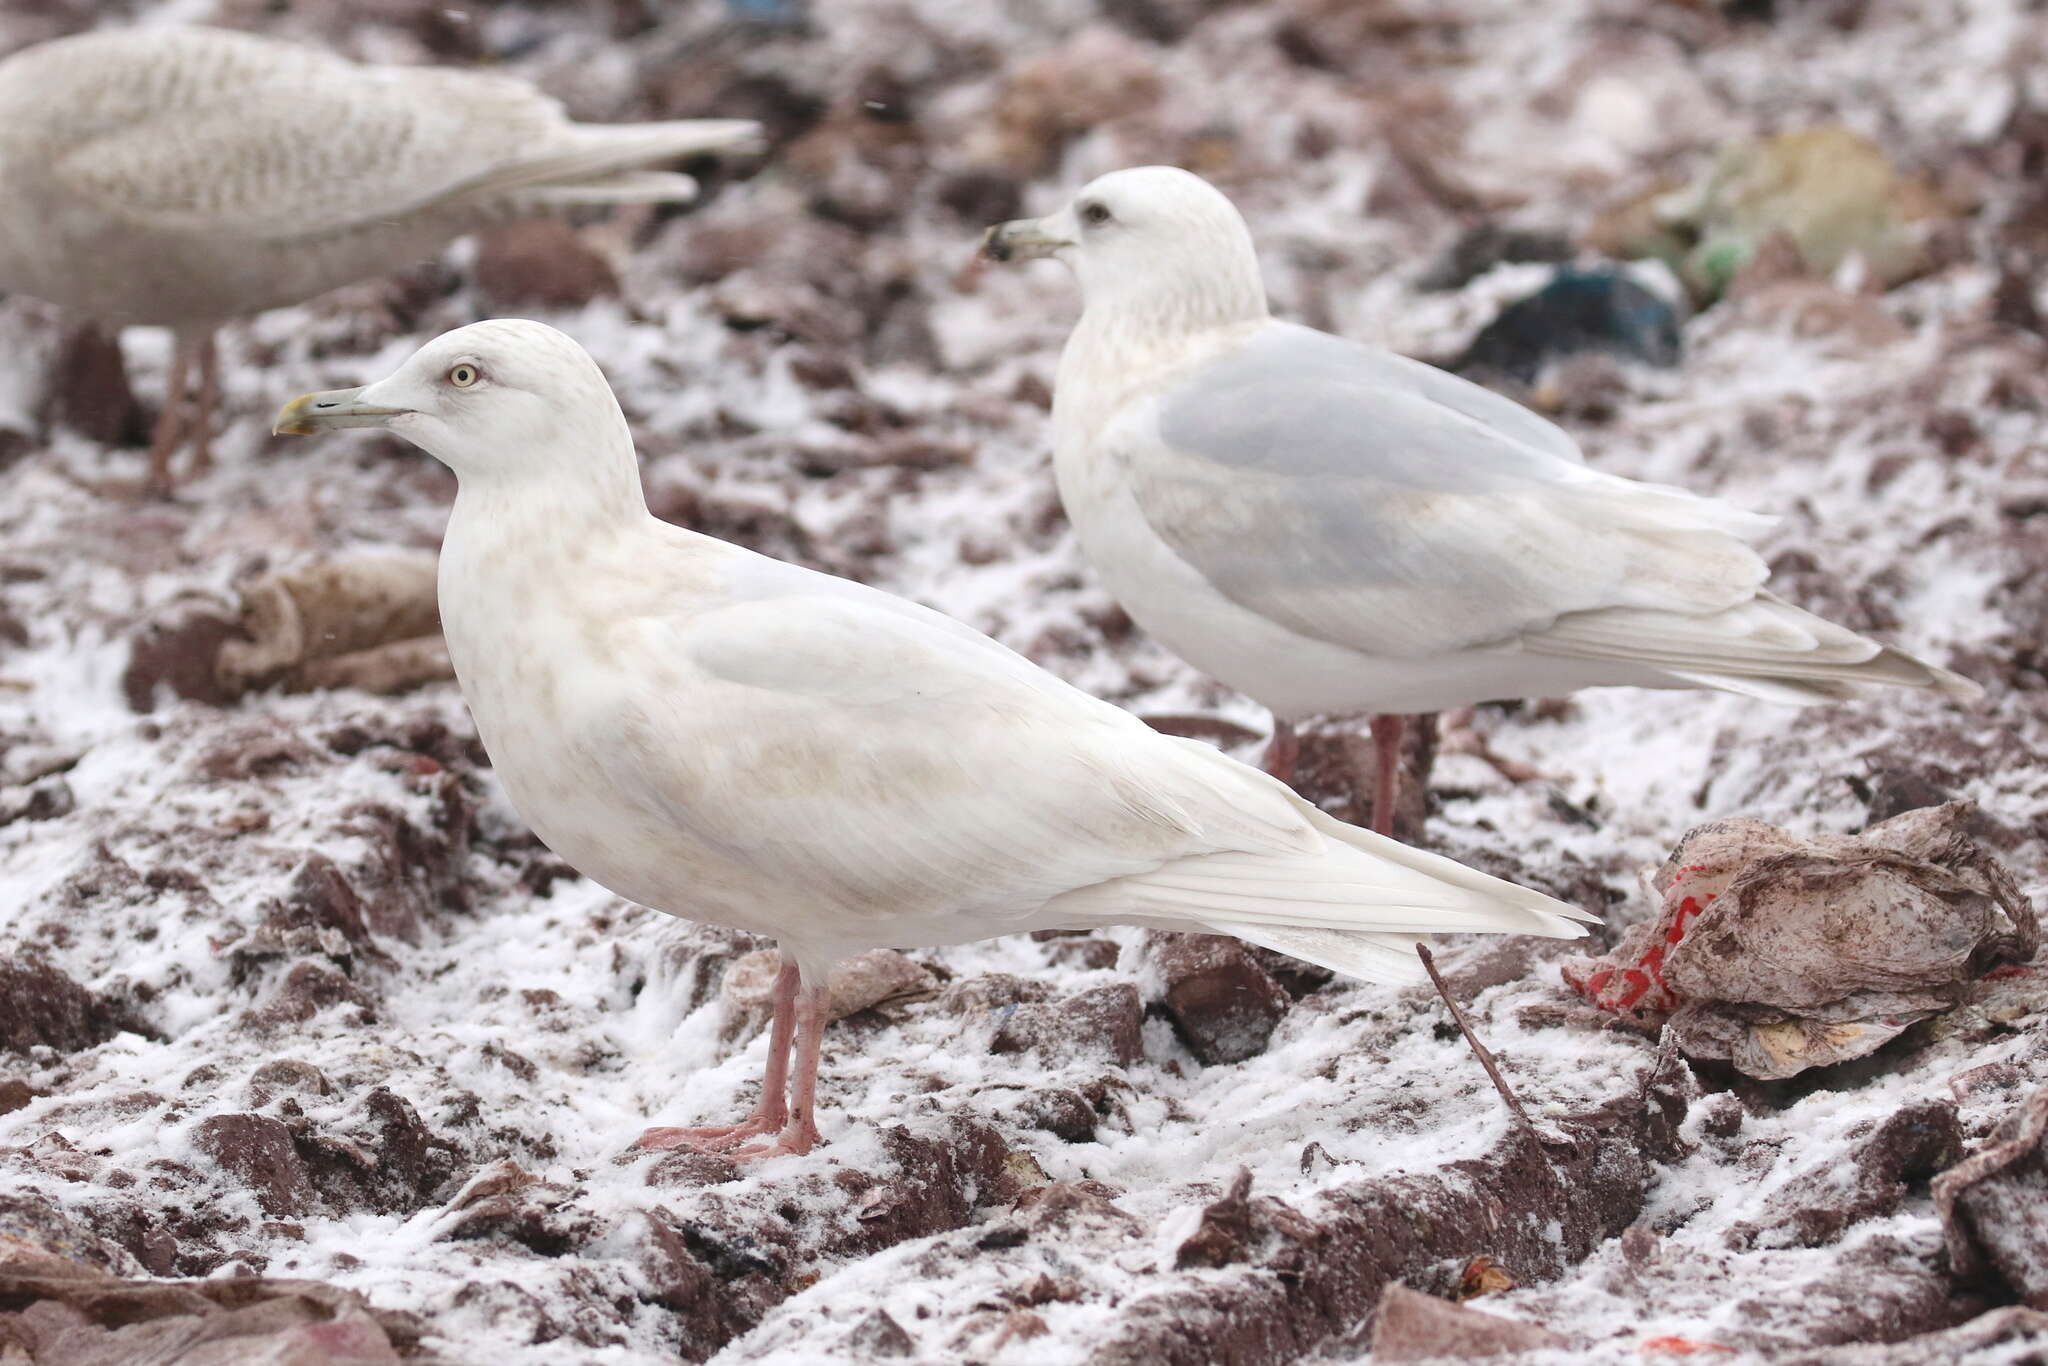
<point>367,621</point>
<point>1779,953</point>
<point>1826,191</point>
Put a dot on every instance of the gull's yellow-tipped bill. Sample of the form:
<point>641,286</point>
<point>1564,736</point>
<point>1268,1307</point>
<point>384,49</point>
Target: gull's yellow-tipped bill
<point>329,410</point>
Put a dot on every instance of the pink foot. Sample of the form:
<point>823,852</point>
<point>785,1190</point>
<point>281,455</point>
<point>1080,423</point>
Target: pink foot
<point>714,1138</point>
<point>794,1140</point>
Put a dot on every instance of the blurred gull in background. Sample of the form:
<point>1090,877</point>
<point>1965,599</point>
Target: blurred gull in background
<point>184,177</point>
<point>1328,527</point>
<point>730,738</point>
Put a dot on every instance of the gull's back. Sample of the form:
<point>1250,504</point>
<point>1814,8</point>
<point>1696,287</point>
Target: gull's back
<point>186,176</point>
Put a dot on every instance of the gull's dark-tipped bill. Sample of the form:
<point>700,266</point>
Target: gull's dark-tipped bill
<point>1021,239</point>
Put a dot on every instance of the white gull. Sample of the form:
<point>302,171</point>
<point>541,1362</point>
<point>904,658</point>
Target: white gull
<point>733,739</point>
<point>1328,527</point>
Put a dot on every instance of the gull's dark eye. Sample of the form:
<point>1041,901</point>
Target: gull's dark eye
<point>463,374</point>
<point>1095,213</point>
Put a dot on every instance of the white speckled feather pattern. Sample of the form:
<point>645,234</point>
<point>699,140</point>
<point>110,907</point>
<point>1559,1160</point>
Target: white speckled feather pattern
<point>182,177</point>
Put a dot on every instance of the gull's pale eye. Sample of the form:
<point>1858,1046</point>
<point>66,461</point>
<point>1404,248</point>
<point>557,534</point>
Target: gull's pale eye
<point>1095,214</point>
<point>464,375</point>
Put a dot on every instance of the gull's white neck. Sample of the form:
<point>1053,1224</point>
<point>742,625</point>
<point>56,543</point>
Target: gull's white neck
<point>528,541</point>
<point>1133,332</point>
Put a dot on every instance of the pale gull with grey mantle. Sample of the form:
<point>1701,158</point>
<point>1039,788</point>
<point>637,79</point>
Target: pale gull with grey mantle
<point>729,738</point>
<point>1328,527</point>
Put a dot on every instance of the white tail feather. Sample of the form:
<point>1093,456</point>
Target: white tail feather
<point>1346,898</point>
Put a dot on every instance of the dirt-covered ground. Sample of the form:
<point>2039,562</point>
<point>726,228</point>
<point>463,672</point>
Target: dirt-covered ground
<point>288,993</point>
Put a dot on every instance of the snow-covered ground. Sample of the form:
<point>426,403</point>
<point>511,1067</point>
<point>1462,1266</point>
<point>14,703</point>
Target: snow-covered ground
<point>320,910</point>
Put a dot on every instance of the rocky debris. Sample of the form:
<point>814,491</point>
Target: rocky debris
<point>878,1336</point>
<point>1598,309</point>
<point>97,1319</point>
<point>1222,1002</point>
<point>726,1262</point>
<point>175,652</point>
<point>1410,1326</point>
<point>1994,1206</point>
<point>2012,1334</point>
<point>89,391</point>
<point>286,1076</point>
<point>540,263</point>
<point>1225,1233</point>
<point>1103,1024</point>
<point>39,1239</point>
<point>43,800</point>
<point>386,1159</point>
<point>258,1153</point>
<point>1778,953</point>
<point>514,1206</point>
<point>368,621</point>
<point>1536,1204</point>
<point>40,1007</point>
<point>1819,1206</point>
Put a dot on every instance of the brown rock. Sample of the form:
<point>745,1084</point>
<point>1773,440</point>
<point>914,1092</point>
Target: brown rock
<point>101,1320</point>
<point>41,1007</point>
<point>1819,1206</point>
<point>40,801</point>
<point>1102,1022</point>
<point>89,390</point>
<point>878,1335</point>
<point>540,1217</point>
<point>1222,1003</point>
<point>1988,1337</point>
<point>1994,1205</point>
<point>1225,1233</point>
<point>938,1174</point>
<point>1060,1111</point>
<point>1411,1326</point>
<point>175,651</point>
<point>990,993</point>
<point>307,990</point>
<point>540,263</point>
<point>286,1076</point>
<point>388,1160</point>
<point>38,1238</point>
<point>982,195</point>
<point>1537,1206</point>
<point>257,1152</point>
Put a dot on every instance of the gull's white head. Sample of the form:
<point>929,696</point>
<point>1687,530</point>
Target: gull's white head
<point>497,401</point>
<point>1152,240</point>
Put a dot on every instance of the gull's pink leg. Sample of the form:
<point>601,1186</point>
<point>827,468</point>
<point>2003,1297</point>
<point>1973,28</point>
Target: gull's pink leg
<point>170,429</point>
<point>1282,751</point>
<point>772,1112</point>
<point>800,1130</point>
<point>1386,742</point>
<point>209,398</point>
